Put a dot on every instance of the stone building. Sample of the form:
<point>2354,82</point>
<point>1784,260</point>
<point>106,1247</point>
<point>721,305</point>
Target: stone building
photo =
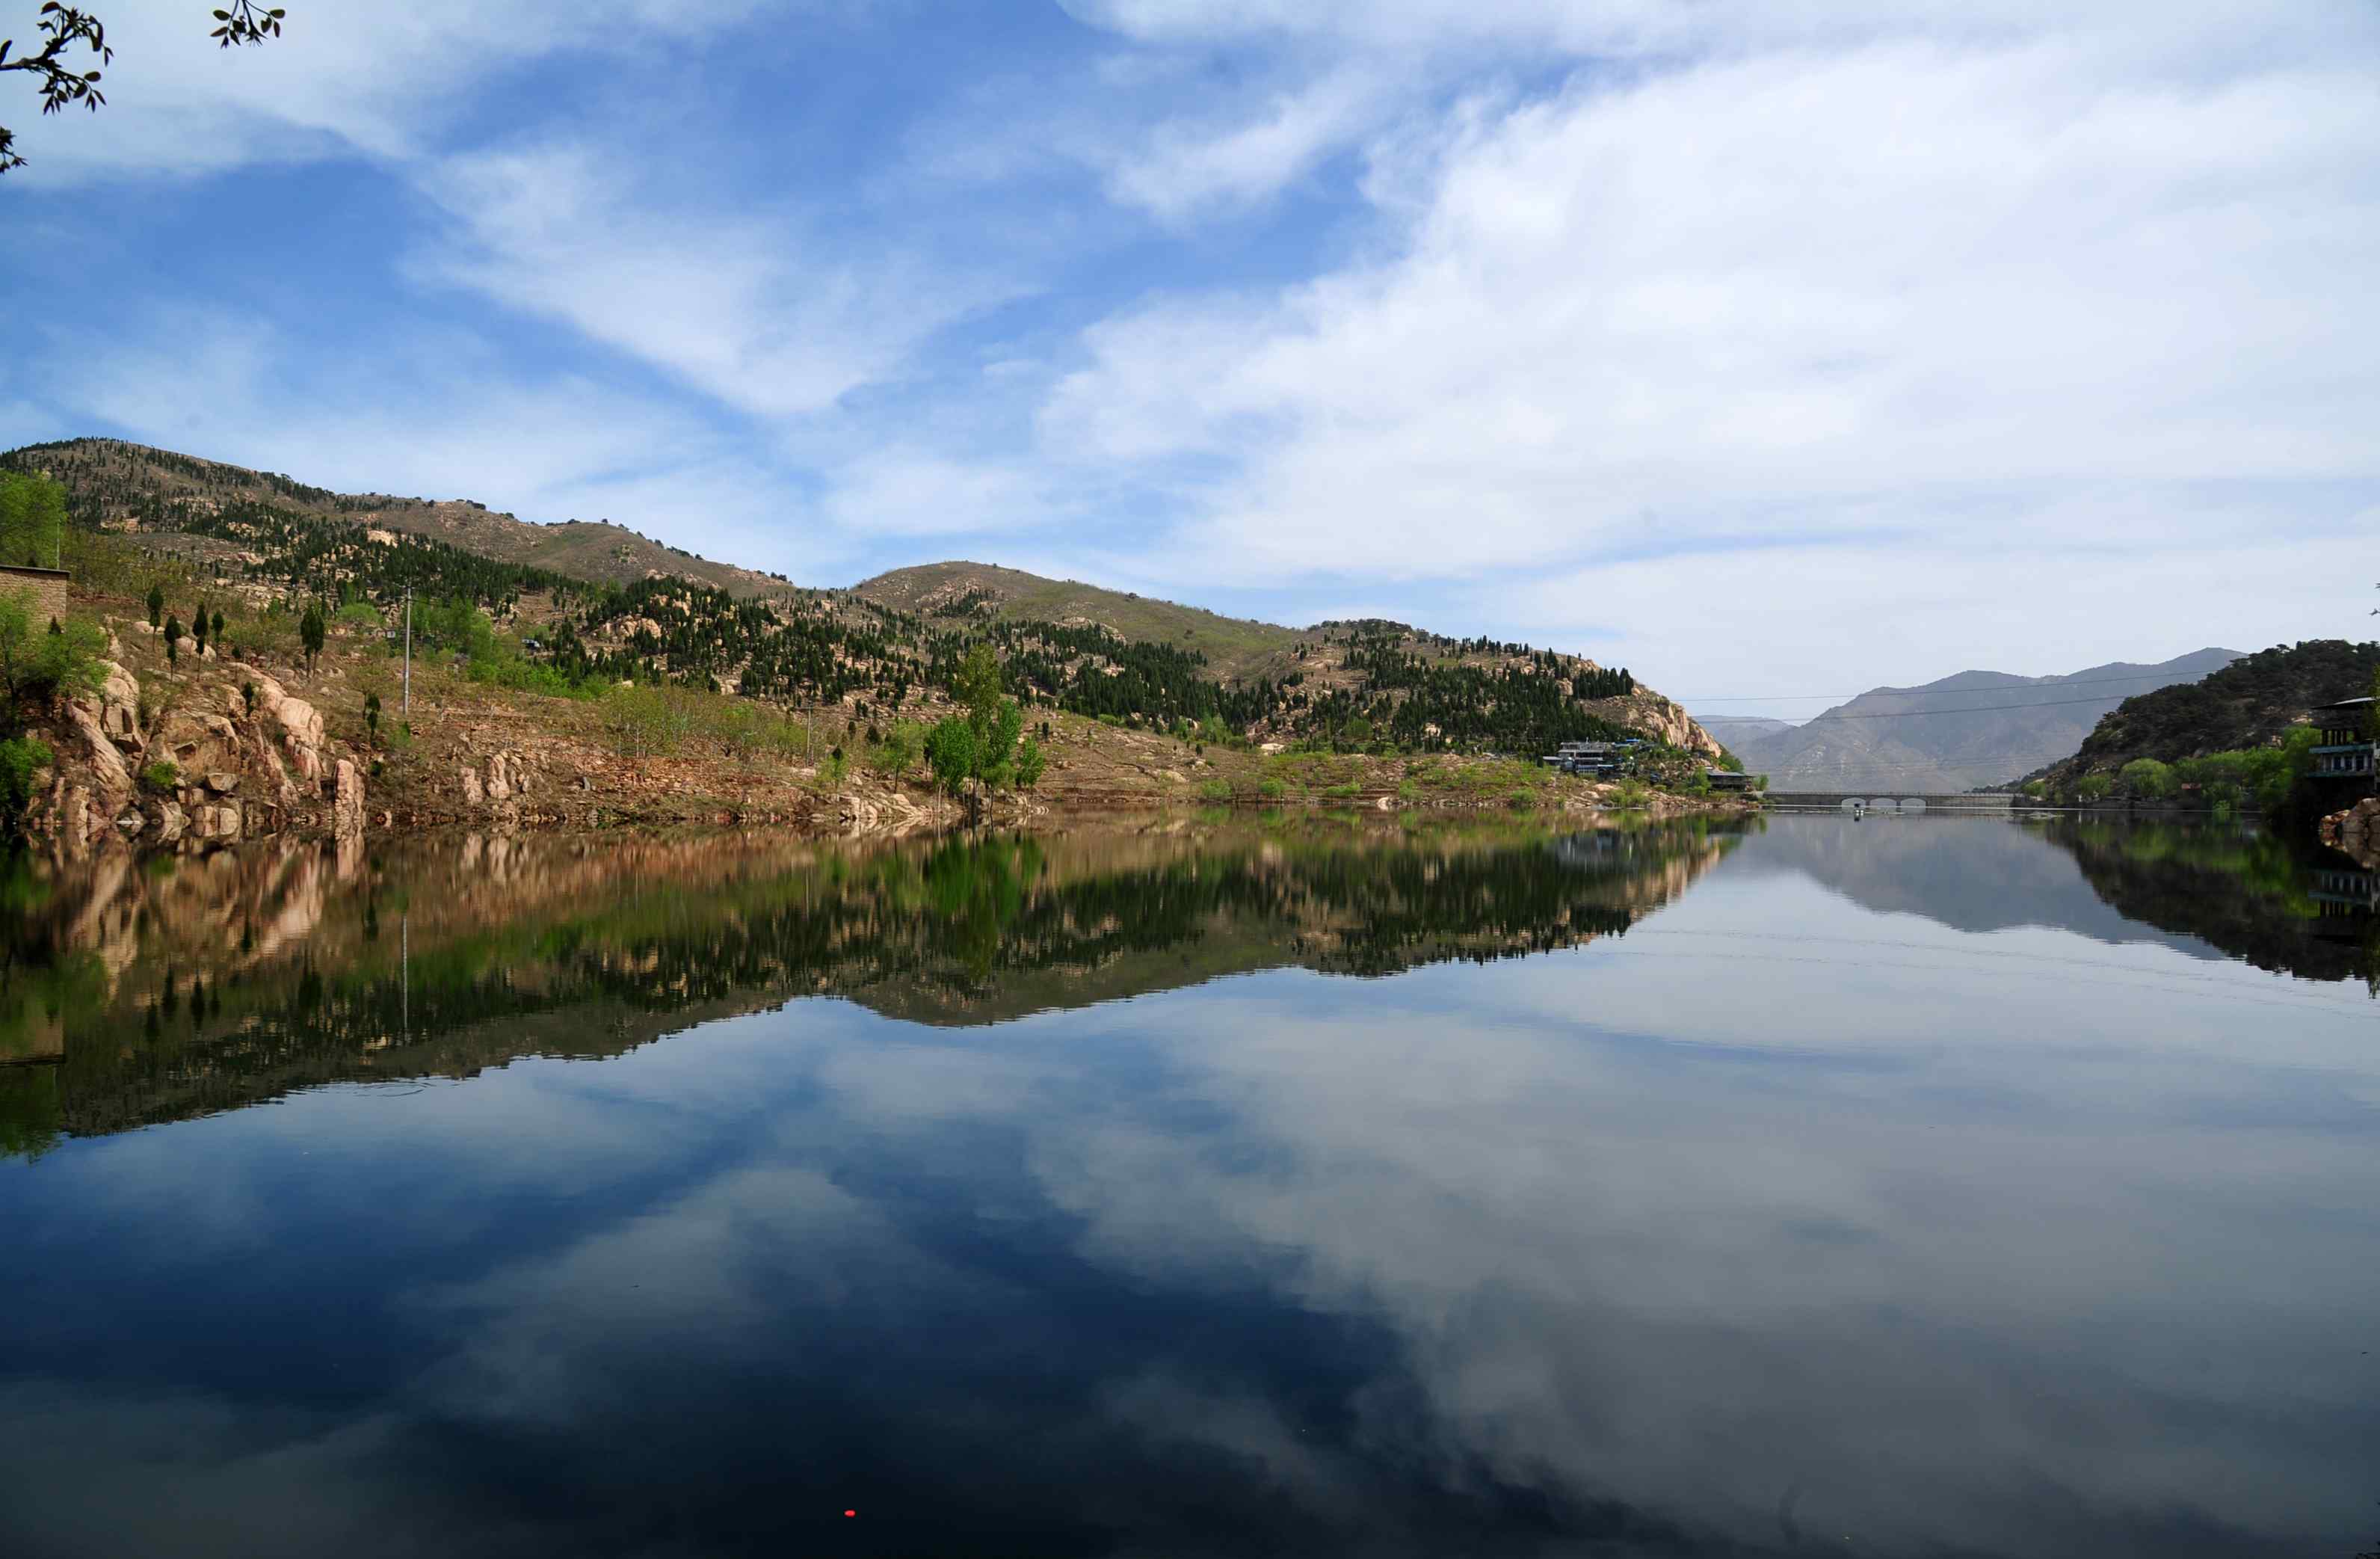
<point>47,587</point>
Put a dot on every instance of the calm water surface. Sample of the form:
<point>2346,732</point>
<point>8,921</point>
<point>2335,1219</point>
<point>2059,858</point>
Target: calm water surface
<point>1929,1187</point>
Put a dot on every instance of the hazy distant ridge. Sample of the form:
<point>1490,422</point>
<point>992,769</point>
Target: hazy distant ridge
<point>1975,728</point>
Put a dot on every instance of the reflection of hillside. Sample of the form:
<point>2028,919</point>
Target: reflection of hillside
<point>2246,892</point>
<point>143,995</point>
<point>2208,891</point>
<point>1972,875</point>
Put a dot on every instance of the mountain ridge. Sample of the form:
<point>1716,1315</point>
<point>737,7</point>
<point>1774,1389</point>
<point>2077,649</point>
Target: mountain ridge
<point>1374,686</point>
<point>1962,732</point>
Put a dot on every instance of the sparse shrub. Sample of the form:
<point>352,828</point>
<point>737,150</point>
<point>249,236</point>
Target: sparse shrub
<point>163,777</point>
<point>20,758</point>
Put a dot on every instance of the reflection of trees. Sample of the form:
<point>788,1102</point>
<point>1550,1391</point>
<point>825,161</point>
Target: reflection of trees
<point>2254,895</point>
<point>160,995</point>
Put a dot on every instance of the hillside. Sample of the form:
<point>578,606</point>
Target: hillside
<point>129,487</point>
<point>1421,689</point>
<point>964,592</point>
<point>587,605</point>
<point>2249,704</point>
<point>1960,733</point>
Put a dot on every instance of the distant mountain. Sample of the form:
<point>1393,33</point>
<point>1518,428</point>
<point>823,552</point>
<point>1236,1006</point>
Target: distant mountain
<point>1976,728</point>
<point>1737,729</point>
<point>2248,703</point>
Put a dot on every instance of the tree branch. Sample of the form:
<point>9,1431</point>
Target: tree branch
<point>61,26</point>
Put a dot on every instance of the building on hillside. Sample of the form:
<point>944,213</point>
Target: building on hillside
<point>2344,751</point>
<point>1599,757</point>
<point>1727,779</point>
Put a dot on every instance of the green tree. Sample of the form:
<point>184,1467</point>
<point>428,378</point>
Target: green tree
<point>219,632</point>
<point>977,685</point>
<point>899,751</point>
<point>950,753</point>
<point>173,639</point>
<point>37,665</point>
<point>1030,762</point>
<point>2148,779</point>
<point>199,631</point>
<point>311,630</point>
<point>156,605</point>
<point>21,758</point>
<point>33,519</point>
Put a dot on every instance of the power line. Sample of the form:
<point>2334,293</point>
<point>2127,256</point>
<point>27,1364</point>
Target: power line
<point>1969,709</point>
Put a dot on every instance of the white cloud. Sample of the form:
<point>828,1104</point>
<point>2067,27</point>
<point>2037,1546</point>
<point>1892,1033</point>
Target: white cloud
<point>765,314</point>
<point>1188,166</point>
<point>1811,274</point>
<point>379,79</point>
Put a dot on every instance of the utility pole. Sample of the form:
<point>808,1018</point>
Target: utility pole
<point>408,656</point>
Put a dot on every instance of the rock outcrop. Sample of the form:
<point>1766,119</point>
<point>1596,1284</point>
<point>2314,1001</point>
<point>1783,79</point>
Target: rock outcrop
<point>1664,719</point>
<point>348,800</point>
<point>2355,830</point>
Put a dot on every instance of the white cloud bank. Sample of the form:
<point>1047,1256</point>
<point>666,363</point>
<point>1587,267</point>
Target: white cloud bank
<point>1767,276</point>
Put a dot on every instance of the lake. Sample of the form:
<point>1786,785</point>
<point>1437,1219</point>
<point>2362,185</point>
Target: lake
<point>1905,1186</point>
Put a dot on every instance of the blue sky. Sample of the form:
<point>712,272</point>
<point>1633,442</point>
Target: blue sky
<point>1767,349</point>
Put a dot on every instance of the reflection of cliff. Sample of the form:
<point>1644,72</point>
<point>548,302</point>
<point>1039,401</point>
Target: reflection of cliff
<point>149,996</point>
<point>2247,893</point>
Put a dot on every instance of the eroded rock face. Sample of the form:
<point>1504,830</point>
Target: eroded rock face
<point>171,823</point>
<point>1660,717</point>
<point>119,707</point>
<point>348,800</point>
<point>108,768</point>
<point>298,723</point>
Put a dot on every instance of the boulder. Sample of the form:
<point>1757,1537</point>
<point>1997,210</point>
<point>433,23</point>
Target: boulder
<point>473,791</point>
<point>171,823</point>
<point>222,784</point>
<point>218,823</point>
<point>119,707</point>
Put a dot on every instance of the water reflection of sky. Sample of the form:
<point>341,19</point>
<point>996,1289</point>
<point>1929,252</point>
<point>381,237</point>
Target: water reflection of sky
<point>1780,1221</point>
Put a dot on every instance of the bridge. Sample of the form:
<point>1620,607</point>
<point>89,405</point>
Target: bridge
<point>1885,801</point>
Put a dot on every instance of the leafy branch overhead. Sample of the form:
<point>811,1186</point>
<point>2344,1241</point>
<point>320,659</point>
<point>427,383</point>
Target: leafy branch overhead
<point>66,76</point>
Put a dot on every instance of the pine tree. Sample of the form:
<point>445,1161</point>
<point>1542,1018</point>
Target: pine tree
<point>311,630</point>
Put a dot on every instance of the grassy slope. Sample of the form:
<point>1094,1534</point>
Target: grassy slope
<point>583,549</point>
